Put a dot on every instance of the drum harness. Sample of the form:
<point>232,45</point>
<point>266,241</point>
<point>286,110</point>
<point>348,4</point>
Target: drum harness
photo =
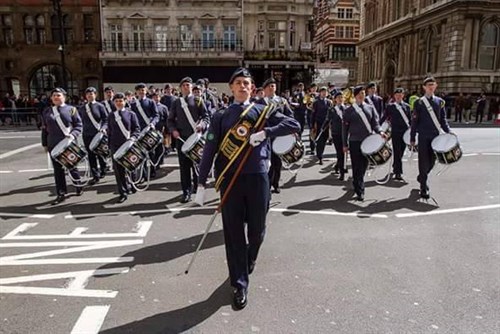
<point>148,160</point>
<point>369,128</point>
<point>407,122</point>
<point>66,130</point>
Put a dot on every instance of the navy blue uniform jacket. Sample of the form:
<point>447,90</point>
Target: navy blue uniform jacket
<point>421,119</point>
<point>354,126</point>
<point>394,117</point>
<point>51,132</point>
<point>150,109</point>
<point>100,115</point>
<point>130,122</point>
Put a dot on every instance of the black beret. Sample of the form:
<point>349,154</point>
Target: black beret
<point>167,86</point>
<point>108,88</point>
<point>313,85</point>
<point>429,79</point>
<point>58,90</point>
<point>358,89</point>
<point>186,79</point>
<point>399,90</point>
<point>268,82</point>
<point>200,82</point>
<point>90,90</point>
<point>140,86</point>
<point>155,93</point>
<point>323,88</point>
<point>118,96</point>
<point>337,93</point>
<point>197,87</point>
<point>128,93</point>
<point>371,85</point>
<point>259,89</point>
<point>240,72</point>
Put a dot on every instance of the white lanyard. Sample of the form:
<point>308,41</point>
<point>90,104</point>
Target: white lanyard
<point>370,101</point>
<point>432,114</point>
<point>57,115</point>
<point>141,111</point>
<point>339,112</point>
<point>188,113</point>
<point>118,118</point>
<point>403,114</point>
<point>108,106</point>
<point>363,117</point>
<point>91,116</point>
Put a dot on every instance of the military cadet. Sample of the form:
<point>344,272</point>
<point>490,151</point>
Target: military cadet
<point>269,87</point>
<point>108,99</point>
<point>95,119</point>
<point>336,116</point>
<point>167,97</point>
<point>210,99</point>
<point>320,121</point>
<point>199,97</point>
<point>59,122</point>
<point>374,100</point>
<point>122,126</point>
<point>259,94</point>
<point>398,115</point>
<point>248,200</point>
<point>186,118</point>
<point>129,99</point>
<point>300,107</point>
<point>160,126</point>
<point>427,108</point>
<point>310,98</point>
<point>360,121</point>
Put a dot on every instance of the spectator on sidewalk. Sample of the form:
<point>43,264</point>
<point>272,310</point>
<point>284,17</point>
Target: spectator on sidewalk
<point>459,107</point>
<point>494,108</point>
<point>481,106</point>
<point>468,103</point>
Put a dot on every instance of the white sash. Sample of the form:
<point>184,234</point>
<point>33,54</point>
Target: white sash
<point>371,102</point>
<point>339,112</point>
<point>57,115</point>
<point>118,118</point>
<point>108,106</point>
<point>91,116</point>
<point>403,114</point>
<point>141,111</point>
<point>432,114</point>
<point>188,113</point>
<point>363,117</point>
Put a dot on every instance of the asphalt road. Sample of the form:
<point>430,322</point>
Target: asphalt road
<point>392,264</point>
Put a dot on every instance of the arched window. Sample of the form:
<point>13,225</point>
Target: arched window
<point>430,53</point>
<point>40,29</point>
<point>47,77</point>
<point>489,47</point>
<point>29,29</point>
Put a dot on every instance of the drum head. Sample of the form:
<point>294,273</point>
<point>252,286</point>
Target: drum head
<point>60,147</point>
<point>444,142</point>
<point>96,140</point>
<point>385,126</point>
<point>190,142</point>
<point>406,138</point>
<point>283,144</point>
<point>123,149</point>
<point>372,143</point>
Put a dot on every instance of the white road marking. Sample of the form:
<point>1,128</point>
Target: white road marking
<point>19,150</point>
<point>26,215</point>
<point>437,212</point>
<point>18,137</point>
<point>39,262</point>
<point>170,165</point>
<point>492,153</point>
<point>330,213</point>
<point>35,170</point>
<point>470,154</point>
<point>57,292</point>
<point>6,171</point>
<point>91,320</point>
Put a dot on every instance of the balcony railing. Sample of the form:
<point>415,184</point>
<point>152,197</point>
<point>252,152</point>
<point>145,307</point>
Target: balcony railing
<point>173,46</point>
<point>281,55</point>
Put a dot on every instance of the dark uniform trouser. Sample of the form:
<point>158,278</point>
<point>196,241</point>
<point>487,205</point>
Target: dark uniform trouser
<point>399,147</point>
<point>458,114</point>
<point>186,169</point>
<point>426,160</point>
<point>96,172</point>
<point>247,202</point>
<point>321,141</point>
<point>359,166</point>
<point>337,142</point>
<point>300,116</point>
<point>60,177</point>
<point>275,170</point>
<point>121,179</point>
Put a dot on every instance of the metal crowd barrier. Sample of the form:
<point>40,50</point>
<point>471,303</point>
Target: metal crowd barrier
<point>18,117</point>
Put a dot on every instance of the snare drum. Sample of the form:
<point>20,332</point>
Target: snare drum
<point>130,155</point>
<point>68,153</point>
<point>289,148</point>
<point>386,127</point>
<point>406,139</point>
<point>99,145</point>
<point>376,149</point>
<point>193,147</point>
<point>446,148</point>
<point>149,138</point>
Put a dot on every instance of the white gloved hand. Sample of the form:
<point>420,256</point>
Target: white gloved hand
<point>200,195</point>
<point>257,138</point>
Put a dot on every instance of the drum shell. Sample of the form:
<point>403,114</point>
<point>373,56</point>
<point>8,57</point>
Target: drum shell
<point>406,139</point>
<point>386,127</point>
<point>70,155</point>
<point>292,155</point>
<point>448,156</point>
<point>194,151</point>
<point>130,155</point>
<point>149,139</point>
<point>100,145</point>
<point>379,156</point>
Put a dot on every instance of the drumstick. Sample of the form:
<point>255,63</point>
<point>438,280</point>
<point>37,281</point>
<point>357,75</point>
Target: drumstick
<point>49,161</point>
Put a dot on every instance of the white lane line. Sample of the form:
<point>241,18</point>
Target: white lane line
<point>31,290</point>
<point>19,150</point>
<point>6,171</point>
<point>26,215</point>
<point>91,319</point>
<point>18,137</point>
<point>170,165</point>
<point>330,213</point>
<point>437,212</point>
<point>470,154</point>
<point>34,170</point>
<point>496,153</point>
<point>38,262</point>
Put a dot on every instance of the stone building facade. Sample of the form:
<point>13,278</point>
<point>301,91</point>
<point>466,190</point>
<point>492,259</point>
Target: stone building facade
<point>337,30</point>
<point>31,50</point>
<point>456,41</point>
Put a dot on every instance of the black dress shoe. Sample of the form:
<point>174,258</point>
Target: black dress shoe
<point>122,198</point>
<point>320,161</point>
<point>103,174</point>
<point>424,194</point>
<point>79,191</point>
<point>240,298</point>
<point>251,267</point>
<point>342,177</point>
<point>186,198</point>
<point>94,181</point>
<point>360,197</point>
<point>398,177</point>
<point>59,199</point>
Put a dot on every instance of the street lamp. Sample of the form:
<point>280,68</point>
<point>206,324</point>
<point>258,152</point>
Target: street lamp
<point>57,8</point>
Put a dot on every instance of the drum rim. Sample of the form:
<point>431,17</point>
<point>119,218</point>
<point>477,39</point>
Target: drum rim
<point>120,152</point>
<point>282,138</point>
<point>66,141</point>
<point>96,140</point>
<point>444,135</point>
<point>407,136</point>
<point>382,141</point>
<point>185,148</point>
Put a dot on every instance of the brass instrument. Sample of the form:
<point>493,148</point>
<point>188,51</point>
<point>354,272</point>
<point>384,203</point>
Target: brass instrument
<point>348,96</point>
<point>309,100</point>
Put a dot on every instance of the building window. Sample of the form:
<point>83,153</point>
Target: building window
<point>339,32</point>
<point>341,13</point>
<point>349,32</point>
<point>429,60</point>
<point>277,34</point>
<point>185,36</point>
<point>138,37</point>
<point>161,32</point>
<point>349,13</point>
<point>229,38</point>
<point>68,32</point>
<point>29,29</point>
<point>40,30</point>
<point>208,36</point>
<point>116,37</point>
<point>7,33</point>
<point>292,35</point>
<point>489,47</point>
<point>47,77</point>
<point>262,25</point>
<point>88,28</point>
<point>342,52</point>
